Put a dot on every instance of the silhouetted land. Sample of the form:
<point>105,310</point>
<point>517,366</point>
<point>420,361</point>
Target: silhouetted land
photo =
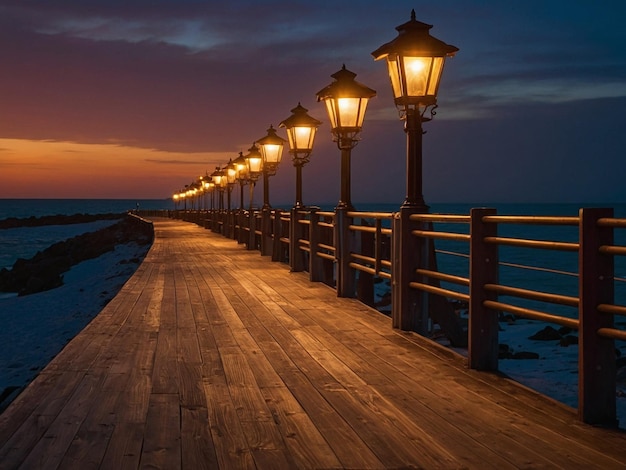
<point>14,222</point>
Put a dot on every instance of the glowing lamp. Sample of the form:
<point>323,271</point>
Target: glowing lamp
<point>217,177</point>
<point>271,148</point>
<point>415,62</point>
<point>240,167</point>
<point>254,162</point>
<point>346,101</point>
<point>301,129</point>
<point>231,172</point>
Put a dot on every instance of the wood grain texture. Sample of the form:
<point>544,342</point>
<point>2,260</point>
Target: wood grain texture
<point>212,356</point>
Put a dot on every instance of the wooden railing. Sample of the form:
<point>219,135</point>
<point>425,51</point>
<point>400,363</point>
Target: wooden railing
<point>355,251</point>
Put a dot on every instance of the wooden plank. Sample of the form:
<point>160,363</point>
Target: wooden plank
<point>162,437</point>
<point>124,447</point>
<point>164,376</point>
<point>227,433</point>
<point>198,451</point>
<point>50,450</point>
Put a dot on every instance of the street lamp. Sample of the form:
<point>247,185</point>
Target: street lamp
<point>218,178</point>
<point>415,62</point>
<point>346,101</point>
<point>241,176</point>
<point>229,178</point>
<point>208,185</point>
<point>254,166</point>
<point>301,129</point>
<point>271,148</point>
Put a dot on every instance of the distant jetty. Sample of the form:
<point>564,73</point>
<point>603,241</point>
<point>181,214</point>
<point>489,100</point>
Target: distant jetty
<point>15,222</point>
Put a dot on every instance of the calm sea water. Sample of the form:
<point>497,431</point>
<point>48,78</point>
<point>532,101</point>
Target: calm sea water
<point>555,273</point>
<point>37,207</point>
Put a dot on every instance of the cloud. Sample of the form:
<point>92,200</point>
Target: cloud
<point>174,162</point>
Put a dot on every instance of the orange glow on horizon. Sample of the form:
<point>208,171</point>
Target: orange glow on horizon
<point>53,169</point>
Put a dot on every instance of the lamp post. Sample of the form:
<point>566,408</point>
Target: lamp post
<point>229,178</point>
<point>230,174</point>
<point>208,185</point>
<point>271,148</point>
<point>301,129</point>
<point>346,101</point>
<point>254,166</point>
<point>241,176</point>
<point>217,177</point>
<point>415,61</point>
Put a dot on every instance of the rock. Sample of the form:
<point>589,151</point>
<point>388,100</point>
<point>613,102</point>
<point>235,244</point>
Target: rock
<point>565,331</point>
<point>504,352</point>
<point>507,318</point>
<point>525,355</point>
<point>569,340</point>
<point>547,334</point>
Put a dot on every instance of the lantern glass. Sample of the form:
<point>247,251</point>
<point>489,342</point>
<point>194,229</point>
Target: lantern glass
<point>301,138</point>
<point>231,174</point>
<point>272,153</point>
<point>346,112</point>
<point>254,161</point>
<point>241,169</point>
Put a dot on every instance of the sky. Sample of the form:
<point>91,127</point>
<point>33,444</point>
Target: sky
<point>136,99</point>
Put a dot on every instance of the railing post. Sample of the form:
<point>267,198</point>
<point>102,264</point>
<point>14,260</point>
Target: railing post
<point>266,231</point>
<point>241,217</point>
<point>277,231</point>
<point>482,331</point>
<point>409,311</point>
<point>296,256</point>
<point>344,241</point>
<point>596,355</point>
<point>316,264</point>
<point>252,232</point>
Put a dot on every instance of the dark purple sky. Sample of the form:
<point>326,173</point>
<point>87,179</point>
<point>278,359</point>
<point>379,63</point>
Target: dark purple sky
<point>136,99</point>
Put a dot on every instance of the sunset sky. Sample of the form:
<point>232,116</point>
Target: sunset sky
<point>135,99</point>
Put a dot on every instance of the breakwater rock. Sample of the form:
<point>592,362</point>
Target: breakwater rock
<point>44,271</point>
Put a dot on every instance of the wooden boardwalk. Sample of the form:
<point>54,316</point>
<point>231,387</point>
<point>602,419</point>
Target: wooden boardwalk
<point>214,357</point>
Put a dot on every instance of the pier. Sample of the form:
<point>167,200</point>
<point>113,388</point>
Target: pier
<point>211,356</point>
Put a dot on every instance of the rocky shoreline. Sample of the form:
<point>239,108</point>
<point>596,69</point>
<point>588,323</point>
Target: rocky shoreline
<point>44,271</point>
